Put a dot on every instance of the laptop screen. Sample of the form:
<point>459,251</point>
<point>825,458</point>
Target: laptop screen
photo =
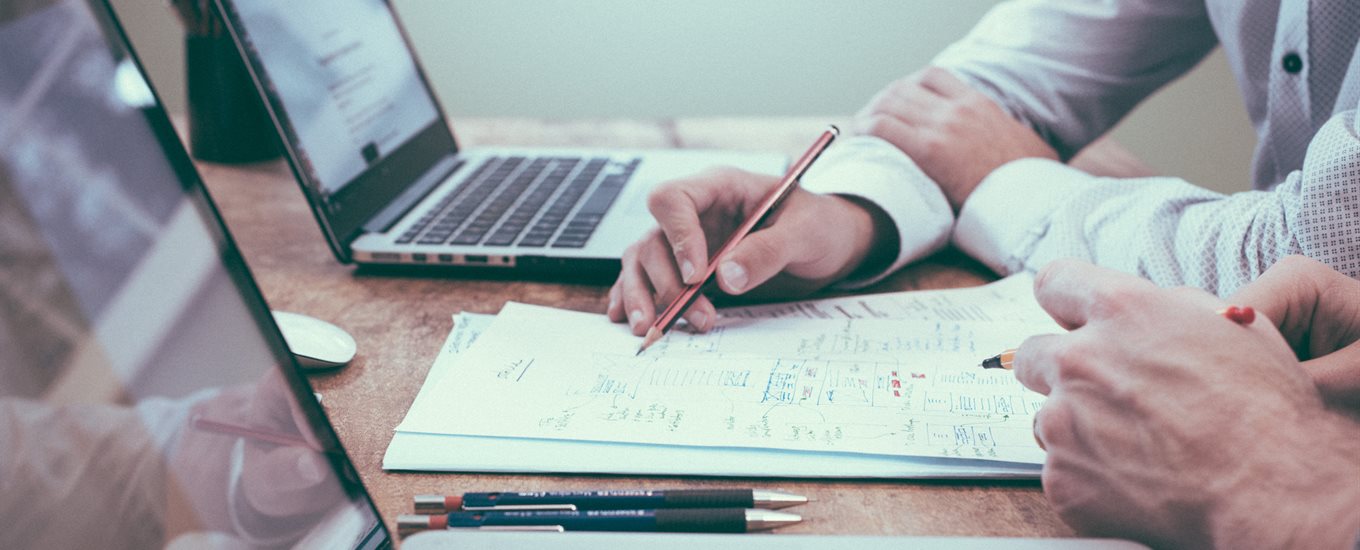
<point>146,399</point>
<point>358,121</point>
<point>346,81</point>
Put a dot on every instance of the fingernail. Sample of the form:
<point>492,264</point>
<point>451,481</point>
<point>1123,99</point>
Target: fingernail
<point>635,317</point>
<point>701,320</point>
<point>733,275</point>
<point>687,271</point>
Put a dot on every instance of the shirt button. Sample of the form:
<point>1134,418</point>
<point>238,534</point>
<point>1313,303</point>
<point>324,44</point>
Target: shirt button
<point>1292,63</point>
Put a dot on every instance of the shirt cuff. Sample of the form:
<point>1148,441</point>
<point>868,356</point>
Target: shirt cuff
<point>875,171</point>
<point>1006,215</point>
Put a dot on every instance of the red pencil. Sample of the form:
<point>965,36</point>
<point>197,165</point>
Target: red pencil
<point>672,313</point>
<point>270,436</point>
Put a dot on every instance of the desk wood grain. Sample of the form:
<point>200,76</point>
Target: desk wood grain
<point>401,321</point>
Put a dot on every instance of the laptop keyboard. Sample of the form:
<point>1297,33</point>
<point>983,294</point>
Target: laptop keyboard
<point>521,201</point>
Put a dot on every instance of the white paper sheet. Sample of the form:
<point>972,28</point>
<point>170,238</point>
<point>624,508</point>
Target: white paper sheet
<point>1010,299</point>
<point>858,386</point>
<point>452,453</point>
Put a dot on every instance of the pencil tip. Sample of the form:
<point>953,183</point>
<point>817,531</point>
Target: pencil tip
<point>652,336</point>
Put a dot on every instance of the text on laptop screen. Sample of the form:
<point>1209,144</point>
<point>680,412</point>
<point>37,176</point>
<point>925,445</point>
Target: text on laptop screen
<point>373,98</point>
<point>141,403</point>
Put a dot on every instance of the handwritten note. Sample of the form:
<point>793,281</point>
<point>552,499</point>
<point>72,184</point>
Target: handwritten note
<point>866,385</point>
<point>1009,299</point>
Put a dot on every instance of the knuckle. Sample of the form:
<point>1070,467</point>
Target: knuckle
<point>630,255</point>
<point>878,124</point>
<point>1115,300</point>
<point>934,73</point>
<point>1072,360</point>
<point>1050,271</point>
<point>661,199</point>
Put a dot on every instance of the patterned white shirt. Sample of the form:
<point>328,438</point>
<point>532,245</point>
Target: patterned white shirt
<point>1071,69</point>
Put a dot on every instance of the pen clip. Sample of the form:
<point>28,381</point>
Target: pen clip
<point>536,528</point>
<point>522,507</point>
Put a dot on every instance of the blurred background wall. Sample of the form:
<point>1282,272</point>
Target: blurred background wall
<point>647,58</point>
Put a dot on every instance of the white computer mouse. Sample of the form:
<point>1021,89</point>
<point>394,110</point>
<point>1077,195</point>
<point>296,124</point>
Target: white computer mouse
<point>315,343</point>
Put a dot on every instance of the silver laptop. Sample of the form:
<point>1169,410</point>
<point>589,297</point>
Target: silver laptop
<point>147,400</point>
<point>388,182</point>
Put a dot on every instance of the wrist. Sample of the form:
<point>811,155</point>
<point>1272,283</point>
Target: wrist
<point>1307,497</point>
<point>873,237</point>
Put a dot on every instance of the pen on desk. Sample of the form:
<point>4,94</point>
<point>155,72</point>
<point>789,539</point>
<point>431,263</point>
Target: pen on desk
<point>608,500</point>
<point>684,520</point>
<point>677,307</point>
<point>277,438</point>
<point>1002,361</point>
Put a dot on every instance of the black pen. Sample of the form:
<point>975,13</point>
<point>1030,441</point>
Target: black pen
<point>608,500</point>
<point>687,520</point>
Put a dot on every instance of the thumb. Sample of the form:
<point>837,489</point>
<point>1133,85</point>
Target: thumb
<point>757,258</point>
<point>1337,376</point>
<point>287,481</point>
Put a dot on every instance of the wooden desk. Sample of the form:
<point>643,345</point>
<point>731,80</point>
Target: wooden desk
<point>400,323</point>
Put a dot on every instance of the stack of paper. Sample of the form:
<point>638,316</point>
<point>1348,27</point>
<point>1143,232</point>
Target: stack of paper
<point>881,385</point>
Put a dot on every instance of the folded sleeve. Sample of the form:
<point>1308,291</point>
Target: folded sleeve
<point>872,170</point>
<point>1032,211</point>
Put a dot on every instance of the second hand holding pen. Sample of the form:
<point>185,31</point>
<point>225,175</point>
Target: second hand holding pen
<point>677,307</point>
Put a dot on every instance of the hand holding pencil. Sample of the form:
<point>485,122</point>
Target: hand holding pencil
<point>811,241</point>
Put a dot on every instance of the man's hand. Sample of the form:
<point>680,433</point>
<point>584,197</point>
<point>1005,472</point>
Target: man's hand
<point>1170,424</point>
<point>280,489</point>
<point>812,241</point>
<point>1318,311</point>
<point>956,134</point>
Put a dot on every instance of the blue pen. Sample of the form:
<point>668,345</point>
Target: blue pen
<point>607,500</point>
<point>686,520</point>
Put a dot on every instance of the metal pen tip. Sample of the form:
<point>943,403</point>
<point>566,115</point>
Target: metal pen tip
<point>761,520</point>
<point>775,500</point>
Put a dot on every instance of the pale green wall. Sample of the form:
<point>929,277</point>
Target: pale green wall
<point>644,58</point>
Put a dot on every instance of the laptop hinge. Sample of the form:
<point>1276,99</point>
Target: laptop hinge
<point>408,199</point>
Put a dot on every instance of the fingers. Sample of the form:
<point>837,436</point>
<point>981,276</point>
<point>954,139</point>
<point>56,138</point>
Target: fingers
<point>943,82</point>
<point>283,481</point>
<point>678,206</point>
<point>649,280</point>
<point>897,113</point>
<point>1337,377</point>
<point>757,258</point>
<point>1073,292</point>
<point>1035,362</point>
<point>1289,293</point>
<point>636,294</point>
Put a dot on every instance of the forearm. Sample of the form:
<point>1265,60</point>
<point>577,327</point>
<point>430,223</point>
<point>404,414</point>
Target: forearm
<point>1305,496</point>
<point>1030,212</point>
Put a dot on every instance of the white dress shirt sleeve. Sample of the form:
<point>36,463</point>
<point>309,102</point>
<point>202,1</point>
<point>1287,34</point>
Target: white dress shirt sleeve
<point>1072,68</point>
<point>875,171</point>
<point>1032,211</point>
